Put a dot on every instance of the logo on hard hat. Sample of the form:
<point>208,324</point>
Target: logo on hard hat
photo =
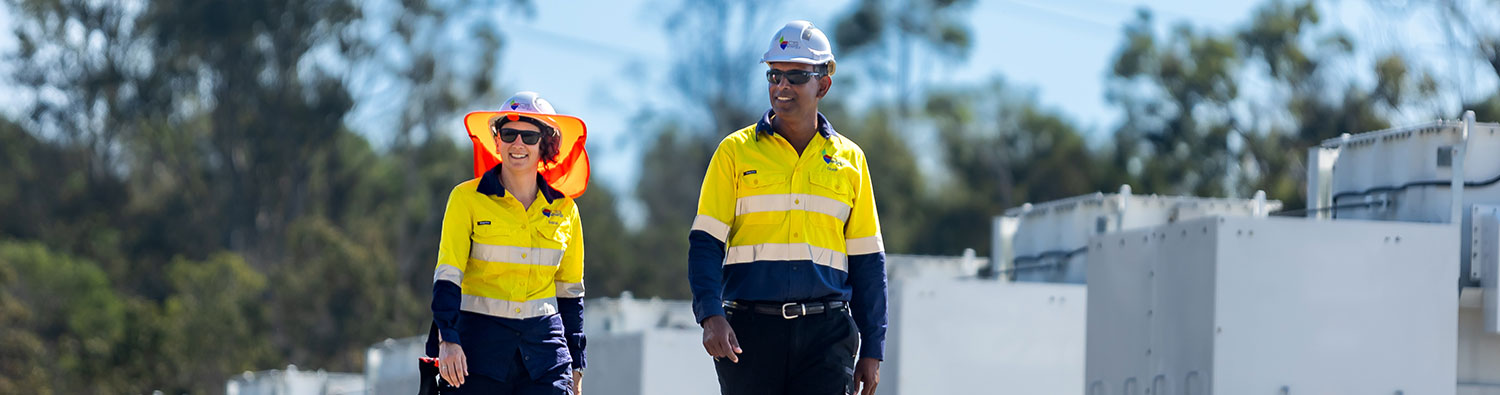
<point>784,43</point>
<point>513,104</point>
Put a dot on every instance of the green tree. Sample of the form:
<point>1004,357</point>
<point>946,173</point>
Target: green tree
<point>895,30</point>
<point>214,322</point>
<point>1277,39</point>
<point>1175,93</point>
<point>611,263</point>
<point>1000,149</point>
<point>22,351</point>
<point>1473,40</point>
<point>67,306</point>
<point>334,297</point>
<point>1190,130</point>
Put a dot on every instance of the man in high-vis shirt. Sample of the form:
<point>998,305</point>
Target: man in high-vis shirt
<point>786,263</point>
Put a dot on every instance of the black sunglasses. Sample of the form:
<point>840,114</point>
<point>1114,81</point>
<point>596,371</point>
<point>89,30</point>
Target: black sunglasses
<point>530,137</point>
<point>796,77</point>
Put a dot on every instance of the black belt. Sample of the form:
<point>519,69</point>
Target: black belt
<point>787,310</point>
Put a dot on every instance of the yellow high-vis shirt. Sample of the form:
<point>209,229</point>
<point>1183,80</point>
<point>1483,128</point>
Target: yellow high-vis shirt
<point>768,203</point>
<point>510,261</point>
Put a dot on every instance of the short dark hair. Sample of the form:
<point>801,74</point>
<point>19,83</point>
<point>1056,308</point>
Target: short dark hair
<point>822,70</point>
<point>551,143</point>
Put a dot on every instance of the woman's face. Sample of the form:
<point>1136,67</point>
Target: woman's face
<point>516,154</point>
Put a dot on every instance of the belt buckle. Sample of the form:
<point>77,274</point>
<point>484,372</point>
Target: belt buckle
<point>790,304</point>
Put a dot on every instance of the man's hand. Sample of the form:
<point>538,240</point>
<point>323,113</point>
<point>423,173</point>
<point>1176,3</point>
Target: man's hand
<point>577,382</point>
<point>719,340</point>
<point>867,374</point>
<point>452,365</point>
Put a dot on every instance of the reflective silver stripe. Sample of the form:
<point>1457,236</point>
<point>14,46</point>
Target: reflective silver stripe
<point>864,245</point>
<point>509,309</point>
<point>569,290</point>
<point>513,254</point>
<point>448,272</point>
<point>792,201</point>
<point>787,252</point>
<point>714,227</point>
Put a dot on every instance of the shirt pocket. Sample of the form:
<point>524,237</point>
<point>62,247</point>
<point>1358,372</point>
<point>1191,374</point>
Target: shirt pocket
<point>759,197</point>
<point>835,186</point>
<point>552,242</point>
<point>494,233</point>
<point>835,195</point>
<point>759,183</point>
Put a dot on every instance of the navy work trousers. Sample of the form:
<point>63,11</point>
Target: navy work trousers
<point>558,381</point>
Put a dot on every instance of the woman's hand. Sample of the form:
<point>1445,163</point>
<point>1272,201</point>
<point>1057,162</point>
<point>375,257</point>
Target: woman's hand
<point>577,382</point>
<point>452,366</point>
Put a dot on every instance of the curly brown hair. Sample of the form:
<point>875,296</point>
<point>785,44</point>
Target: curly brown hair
<point>551,138</point>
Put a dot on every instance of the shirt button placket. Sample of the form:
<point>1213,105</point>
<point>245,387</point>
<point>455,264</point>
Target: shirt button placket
<point>798,217</point>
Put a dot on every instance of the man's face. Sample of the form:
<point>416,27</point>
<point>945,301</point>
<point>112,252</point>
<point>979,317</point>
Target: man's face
<point>516,153</point>
<point>796,100</point>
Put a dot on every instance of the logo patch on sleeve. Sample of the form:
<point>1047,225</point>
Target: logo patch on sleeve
<point>748,173</point>
<point>484,222</point>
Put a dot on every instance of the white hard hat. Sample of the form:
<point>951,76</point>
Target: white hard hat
<point>530,105</point>
<point>528,101</point>
<point>800,42</point>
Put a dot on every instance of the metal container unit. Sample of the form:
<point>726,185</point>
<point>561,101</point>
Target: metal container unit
<point>966,335</point>
<point>1046,242</point>
<point>1273,306</point>
<point>1432,172</point>
<point>1444,171</point>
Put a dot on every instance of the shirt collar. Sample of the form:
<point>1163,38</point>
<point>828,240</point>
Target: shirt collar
<point>490,184</point>
<point>764,126</point>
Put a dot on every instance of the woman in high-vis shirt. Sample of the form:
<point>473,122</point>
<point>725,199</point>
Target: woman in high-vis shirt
<point>507,295</point>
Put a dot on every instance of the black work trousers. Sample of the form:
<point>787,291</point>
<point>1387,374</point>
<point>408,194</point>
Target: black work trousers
<point>807,355</point>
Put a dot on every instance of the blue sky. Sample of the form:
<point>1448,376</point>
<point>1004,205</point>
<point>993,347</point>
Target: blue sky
<point>1060,49</point>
